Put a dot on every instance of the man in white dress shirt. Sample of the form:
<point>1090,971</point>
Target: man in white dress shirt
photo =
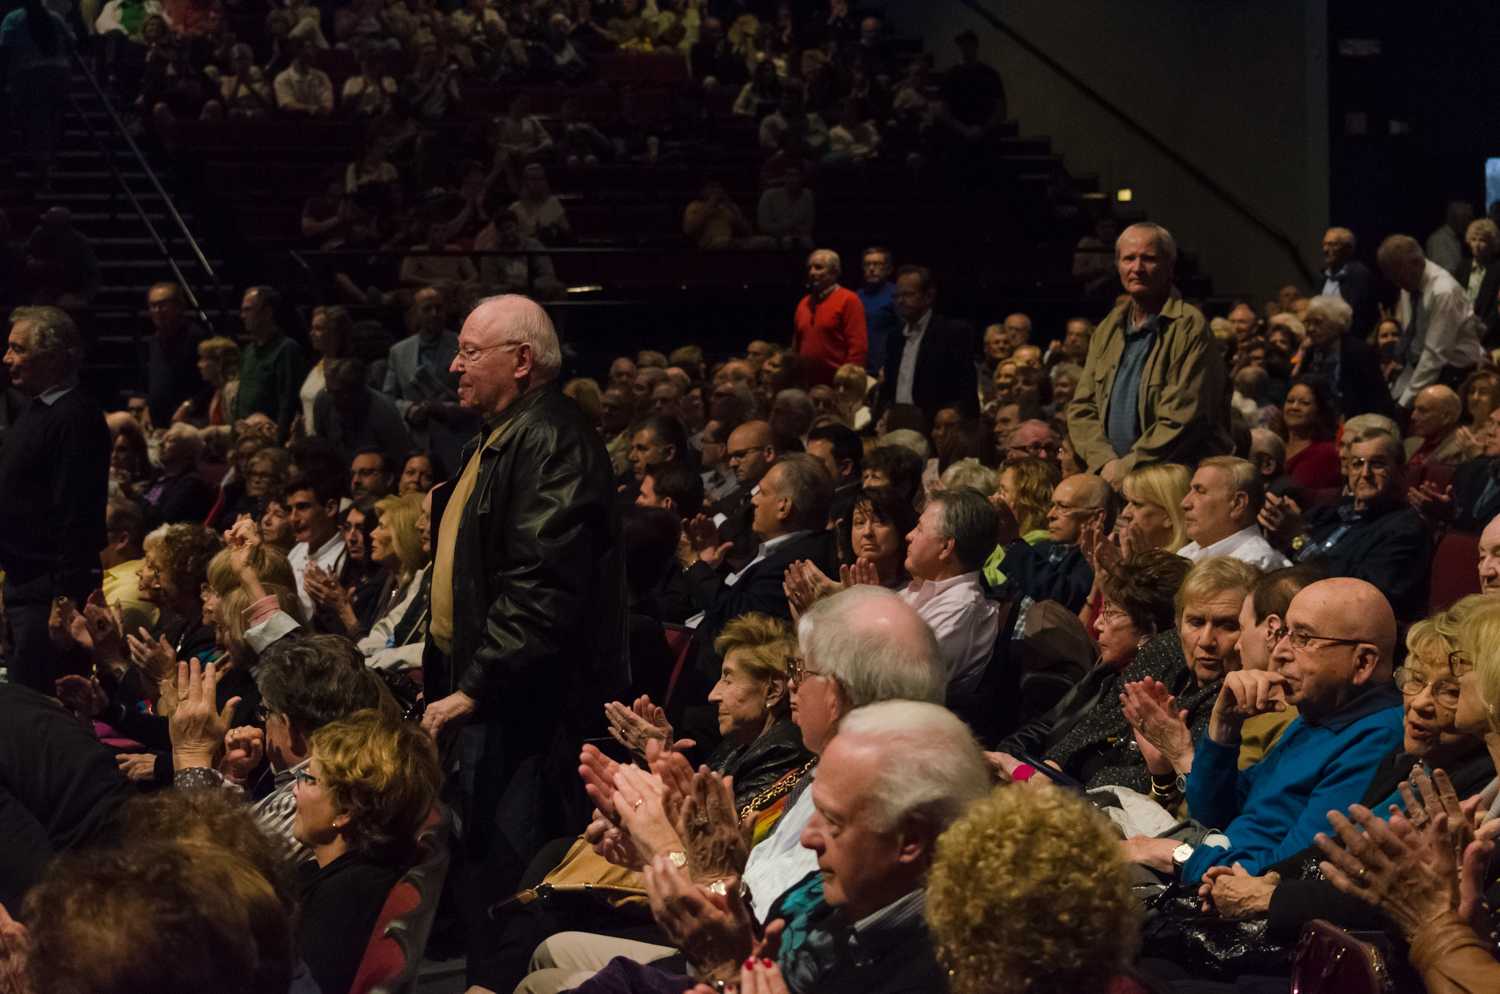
<point>944,554</point>
<point>313,506</point>
<point>1219,514</point>
<point>1440,337</point>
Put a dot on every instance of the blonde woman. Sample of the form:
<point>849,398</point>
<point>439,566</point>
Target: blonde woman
<point>1025,488</point>
<point>397,543</point>
<point>851,385</point>
<point>396,546</point>
<point>219,365</point>
<point>1151,519</point>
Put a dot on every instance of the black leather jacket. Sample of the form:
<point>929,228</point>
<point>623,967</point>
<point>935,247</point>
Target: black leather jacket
<point>1089,718</point>
<point>760,764</point>
<point>539,599</point>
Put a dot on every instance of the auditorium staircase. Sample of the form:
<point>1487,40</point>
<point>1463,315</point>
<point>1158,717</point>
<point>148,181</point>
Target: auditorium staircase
<point>133,228</point>
<point>235,192</point>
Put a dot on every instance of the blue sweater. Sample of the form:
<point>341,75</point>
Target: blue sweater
<point>1274,808</point>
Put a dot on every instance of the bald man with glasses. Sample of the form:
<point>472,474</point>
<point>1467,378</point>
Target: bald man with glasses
<point>1332,660</point>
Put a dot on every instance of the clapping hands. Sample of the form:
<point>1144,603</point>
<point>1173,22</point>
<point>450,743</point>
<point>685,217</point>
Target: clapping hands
<point>703,535</point>
<point>634,726</point>
<point>1160,729</point>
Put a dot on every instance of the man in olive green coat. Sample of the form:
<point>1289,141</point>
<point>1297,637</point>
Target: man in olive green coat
<point>1154,388</point>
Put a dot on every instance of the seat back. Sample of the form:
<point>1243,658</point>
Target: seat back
<point>394,952</point>
<point>680,641</point>
<point>1455,570</point>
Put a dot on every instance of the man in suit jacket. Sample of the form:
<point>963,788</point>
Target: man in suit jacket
<point>419,379</point>
<point>931,363</point>
<point>1345,360</point>
<point>1483,268</point>
<point>791,511</point>
<point>1345,276</point>
<point>1154,386</point>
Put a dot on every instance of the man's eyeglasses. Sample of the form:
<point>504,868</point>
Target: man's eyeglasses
<point>472,354</point>
<point>1301,638</point>
<point>1378,465</point>
<point>797,670</point>
<point>1043,450</point>
<point>1445,689</point>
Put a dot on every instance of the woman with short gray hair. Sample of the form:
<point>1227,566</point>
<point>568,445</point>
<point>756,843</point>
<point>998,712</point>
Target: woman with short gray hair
<point>1332,353</point>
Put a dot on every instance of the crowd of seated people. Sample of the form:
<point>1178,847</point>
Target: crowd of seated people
<point>992,655</point>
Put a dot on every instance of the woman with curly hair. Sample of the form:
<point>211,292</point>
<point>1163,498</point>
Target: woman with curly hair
<point>1028,894</point>
<point>370,784</point>
<point>173,572</point>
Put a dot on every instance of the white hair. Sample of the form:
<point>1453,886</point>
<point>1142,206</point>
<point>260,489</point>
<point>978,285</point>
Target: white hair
<point>832,257</point>
<point>970,473</point>
<point>1363,422</point>
<point>192,438</point>
<point>930,768</point>
<point>1335,310</point>
<point>878,661</point>
<point>1165,243</point>
<point>1272,443</point>
<point>529,323</point>
<point>907,439</point>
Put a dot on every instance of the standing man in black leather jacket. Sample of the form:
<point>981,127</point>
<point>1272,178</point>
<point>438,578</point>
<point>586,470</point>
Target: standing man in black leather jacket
<point>527,638</point>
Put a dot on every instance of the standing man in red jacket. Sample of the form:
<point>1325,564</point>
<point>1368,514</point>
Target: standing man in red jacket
<point>830,321</point>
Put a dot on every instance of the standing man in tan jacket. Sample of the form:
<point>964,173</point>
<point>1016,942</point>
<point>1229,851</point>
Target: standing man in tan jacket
<point>1154,389</point>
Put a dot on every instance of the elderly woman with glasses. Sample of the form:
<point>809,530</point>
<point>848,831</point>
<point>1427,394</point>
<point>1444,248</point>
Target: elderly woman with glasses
<point>1292,893</point>
<point>1429,871</point>
<point>1088,734</point>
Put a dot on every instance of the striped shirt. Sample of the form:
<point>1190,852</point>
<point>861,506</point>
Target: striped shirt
<point>274,813</point>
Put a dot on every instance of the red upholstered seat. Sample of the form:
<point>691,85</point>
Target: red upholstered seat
<point>1455,570</point>
<point>679,640</point>
<point>395,950</point>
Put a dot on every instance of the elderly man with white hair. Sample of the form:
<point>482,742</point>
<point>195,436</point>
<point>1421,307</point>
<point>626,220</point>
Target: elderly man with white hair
<point>1372,534</point>
<point>858,647</point>
<point>1439,333</point>
<point>829,321</point>
<point>1268,453</point>
<point>1333,352</point>
<point>178,493</point>
<point>525,546</point>
<point>1153,389</point>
